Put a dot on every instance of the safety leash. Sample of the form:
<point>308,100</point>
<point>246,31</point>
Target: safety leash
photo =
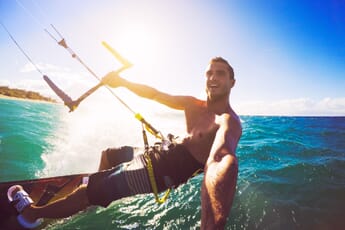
<point>159,200</point>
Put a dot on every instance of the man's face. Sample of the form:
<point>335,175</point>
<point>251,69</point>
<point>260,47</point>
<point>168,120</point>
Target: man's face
<point>218,81</point>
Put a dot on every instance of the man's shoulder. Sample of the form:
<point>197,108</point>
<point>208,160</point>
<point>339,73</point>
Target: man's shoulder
<point>235,122</point>
<point>193,103</point>
<point>234,116</point>
<point>196,101</point>
<point>231,119</point>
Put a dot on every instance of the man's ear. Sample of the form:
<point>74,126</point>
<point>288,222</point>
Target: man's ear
<point>233,81</point>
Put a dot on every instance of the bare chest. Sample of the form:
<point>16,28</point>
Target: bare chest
<point>202,130</point>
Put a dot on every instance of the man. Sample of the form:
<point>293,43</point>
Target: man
<point>213,130</point>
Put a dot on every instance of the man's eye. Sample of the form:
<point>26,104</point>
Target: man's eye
<point>220,73</point>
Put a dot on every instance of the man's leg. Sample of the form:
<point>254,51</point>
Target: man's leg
<point>64,207</point>
<point>112,157</point>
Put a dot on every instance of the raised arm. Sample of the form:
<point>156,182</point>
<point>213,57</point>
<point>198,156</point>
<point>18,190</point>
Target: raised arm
<point>219,184</point>
<point>176,102</point>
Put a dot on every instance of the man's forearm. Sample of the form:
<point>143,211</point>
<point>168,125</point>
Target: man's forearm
<point>210,218</point>
<point>140,89</point>
<point>217,193</point>
<point>219,184</point>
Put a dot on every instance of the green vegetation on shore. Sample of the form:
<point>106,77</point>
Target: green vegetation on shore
<point>20,93</point>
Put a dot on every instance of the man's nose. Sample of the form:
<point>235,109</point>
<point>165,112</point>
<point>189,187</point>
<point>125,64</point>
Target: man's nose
<point>212,77</point>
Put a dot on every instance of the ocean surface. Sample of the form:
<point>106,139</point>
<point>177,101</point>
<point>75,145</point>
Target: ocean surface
<point>291,169</point>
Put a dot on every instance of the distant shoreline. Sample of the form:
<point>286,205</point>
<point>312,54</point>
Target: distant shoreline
<point>25,99</point>
<point>21,94</point>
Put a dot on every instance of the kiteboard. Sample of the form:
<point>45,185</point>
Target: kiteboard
<point>42,191</point>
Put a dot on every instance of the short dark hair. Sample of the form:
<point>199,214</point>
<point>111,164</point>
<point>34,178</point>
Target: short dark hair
<point>220,59</point>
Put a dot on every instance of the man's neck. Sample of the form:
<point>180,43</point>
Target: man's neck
<point>219,106</point>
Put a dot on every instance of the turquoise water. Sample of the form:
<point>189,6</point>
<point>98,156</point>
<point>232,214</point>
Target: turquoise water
<point>291,173</point>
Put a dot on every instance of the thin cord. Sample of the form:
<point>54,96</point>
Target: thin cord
<point>28,12</point>
<point>21,49</point>
<point>38,21</point>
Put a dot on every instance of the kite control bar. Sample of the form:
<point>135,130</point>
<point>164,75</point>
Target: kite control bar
<point>125,65</point>
<point>73,104</point>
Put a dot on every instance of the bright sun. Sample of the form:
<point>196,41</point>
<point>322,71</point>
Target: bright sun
<point>139,44</point>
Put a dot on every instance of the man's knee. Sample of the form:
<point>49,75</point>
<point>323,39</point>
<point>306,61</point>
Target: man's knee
<point>104,155</point>
<point>116,156</point>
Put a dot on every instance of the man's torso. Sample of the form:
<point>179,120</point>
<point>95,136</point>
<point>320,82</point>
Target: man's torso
<point>202,129</point>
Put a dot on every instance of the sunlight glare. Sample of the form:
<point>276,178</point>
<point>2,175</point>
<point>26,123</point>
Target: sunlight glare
<point>139,44</point>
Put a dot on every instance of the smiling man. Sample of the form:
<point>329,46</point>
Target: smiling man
<point>213,132</point>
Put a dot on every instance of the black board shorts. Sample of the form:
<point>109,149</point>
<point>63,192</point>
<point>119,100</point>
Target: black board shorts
<point>127,178</point>
<point>171,168</point>
<point>106,186</point>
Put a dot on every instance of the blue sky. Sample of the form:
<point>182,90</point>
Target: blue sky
<point>288,56</point>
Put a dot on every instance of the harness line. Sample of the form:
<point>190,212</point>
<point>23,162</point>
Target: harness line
<point>20,48</point>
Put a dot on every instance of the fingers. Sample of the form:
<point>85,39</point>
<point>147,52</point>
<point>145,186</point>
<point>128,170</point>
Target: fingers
<point>111,79</point>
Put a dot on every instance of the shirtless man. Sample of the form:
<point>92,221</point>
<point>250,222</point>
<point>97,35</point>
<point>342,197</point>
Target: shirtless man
<point>213,130</point>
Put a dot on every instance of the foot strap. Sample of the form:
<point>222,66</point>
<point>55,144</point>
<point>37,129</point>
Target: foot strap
<point>26,224</point>
<point>20,200</point>
<point>23,200</point>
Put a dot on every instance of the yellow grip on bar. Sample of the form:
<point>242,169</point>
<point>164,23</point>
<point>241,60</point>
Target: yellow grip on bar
<point>126,64</point>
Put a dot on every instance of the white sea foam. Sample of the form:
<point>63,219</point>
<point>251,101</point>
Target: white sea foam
<point>77,143</point>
